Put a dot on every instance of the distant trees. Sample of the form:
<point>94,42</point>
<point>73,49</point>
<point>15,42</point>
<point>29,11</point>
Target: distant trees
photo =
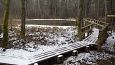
<point>57,8</point>
<point>5,24</point>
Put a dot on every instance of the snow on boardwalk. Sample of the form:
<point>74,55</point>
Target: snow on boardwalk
<point>93,37</point>
<point>49,54</point>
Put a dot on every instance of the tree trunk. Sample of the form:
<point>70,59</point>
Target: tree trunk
<point>105,10</point>
<point>5,24</point>
<point>23,14</point>
<point>98,9</point>
<point>80,18</point>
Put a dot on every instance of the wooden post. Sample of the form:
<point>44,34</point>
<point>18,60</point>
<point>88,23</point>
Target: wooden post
<point>88,33</point>
<point>87,48</point>
<point>59,59</point>
<point>75,52</point>
<point>99,41</point>
<point>83,36</point>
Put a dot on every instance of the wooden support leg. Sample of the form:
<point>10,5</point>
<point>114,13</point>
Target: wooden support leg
<point>87,48</point>
<point>83,36</point>
<point>91,47</point>
<point>75,52</point>
<point>59,59</point>
<point>99,40</point>
<point>88,33</point>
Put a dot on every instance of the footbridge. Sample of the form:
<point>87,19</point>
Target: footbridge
<point>96,31</point>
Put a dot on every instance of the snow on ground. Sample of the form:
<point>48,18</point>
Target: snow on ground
<point>47,35</point>
<point>110,43</point>
<point>60,34</point>
<point>92,57</point>
<point>87,58</point>
<point>24,57</point>
<point>61,38</point>
<point>40,26</point>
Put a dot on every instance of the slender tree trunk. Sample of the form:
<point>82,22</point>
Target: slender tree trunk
<point>80,18</point>
<point>80,12</point>
<point>86,7</point>
<point>5,24</point>
<point>98,8</point>
<point>110,13</point>
<point>23,14</point>
<point>105,10</point>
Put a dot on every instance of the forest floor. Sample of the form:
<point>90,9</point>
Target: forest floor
<point>105,57</point>
<point>41,39</point>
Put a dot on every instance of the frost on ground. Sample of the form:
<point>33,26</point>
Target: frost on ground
<point>110,43</point>
<point>87,58</point>
<point>42,39</point>
<point>39,39</point>
<point>42,35</point>
<point>47,35</point>
<point>93,56</point>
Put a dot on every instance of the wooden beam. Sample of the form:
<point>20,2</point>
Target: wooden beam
<point>97,24</point>
<point>87,26</point>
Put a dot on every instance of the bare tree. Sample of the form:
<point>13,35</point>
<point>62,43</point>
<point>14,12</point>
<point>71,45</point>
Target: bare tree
<point>5,24</point>
<point>80,18</point>
<point>23,16</point>
<point>105,10</point>
<point>56,8</point>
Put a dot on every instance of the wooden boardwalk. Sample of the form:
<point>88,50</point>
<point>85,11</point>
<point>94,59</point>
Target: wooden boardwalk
<point>90,40</point>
